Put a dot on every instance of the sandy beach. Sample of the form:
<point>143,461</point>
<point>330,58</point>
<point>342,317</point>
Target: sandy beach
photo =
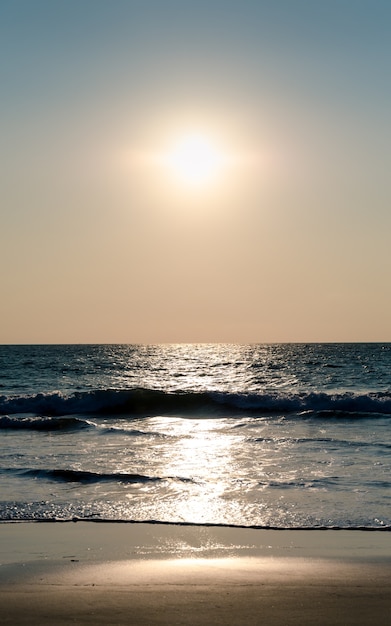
<point>118,573</point>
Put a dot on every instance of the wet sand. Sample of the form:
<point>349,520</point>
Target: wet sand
<point>108,573</point>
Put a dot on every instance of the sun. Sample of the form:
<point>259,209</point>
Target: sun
<point>194,160</point>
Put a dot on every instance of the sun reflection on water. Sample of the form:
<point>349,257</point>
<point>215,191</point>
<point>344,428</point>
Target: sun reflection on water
<point>202,452</point>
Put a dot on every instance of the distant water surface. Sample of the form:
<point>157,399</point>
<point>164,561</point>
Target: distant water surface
<point>284,435</point>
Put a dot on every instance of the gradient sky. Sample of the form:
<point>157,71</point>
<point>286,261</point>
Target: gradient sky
<point>290,243</point>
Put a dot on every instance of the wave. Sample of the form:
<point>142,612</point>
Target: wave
<point>27,513</point>
<point>315,483</point>
<point>86,477</point>
<point>330,482</point>
<point>43,423</point>
<point>117,430</point>
<point>147,402</point>
<point>319,441</point>
<point>68,423</point>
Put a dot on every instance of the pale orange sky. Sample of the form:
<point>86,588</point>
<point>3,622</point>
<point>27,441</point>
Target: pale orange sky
<point>287,240</point>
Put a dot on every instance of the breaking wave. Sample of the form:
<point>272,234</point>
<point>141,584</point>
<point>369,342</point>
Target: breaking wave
<point>141,402</point>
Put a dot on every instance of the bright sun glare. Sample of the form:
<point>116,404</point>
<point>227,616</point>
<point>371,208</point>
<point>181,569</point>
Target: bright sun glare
<point>194,160</point>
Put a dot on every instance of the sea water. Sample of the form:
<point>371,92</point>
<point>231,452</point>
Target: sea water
<point>283,436</point>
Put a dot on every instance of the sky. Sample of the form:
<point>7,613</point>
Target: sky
<point>276,228</point>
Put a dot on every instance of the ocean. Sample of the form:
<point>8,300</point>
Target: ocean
<point>279,435</point>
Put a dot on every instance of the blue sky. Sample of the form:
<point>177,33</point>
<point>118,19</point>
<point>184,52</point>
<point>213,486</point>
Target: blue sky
<point>291,244</point>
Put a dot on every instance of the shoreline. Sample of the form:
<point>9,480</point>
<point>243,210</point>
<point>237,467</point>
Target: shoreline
<point>133,539</point>
<point>125,573</point>
<point>155,522</point>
